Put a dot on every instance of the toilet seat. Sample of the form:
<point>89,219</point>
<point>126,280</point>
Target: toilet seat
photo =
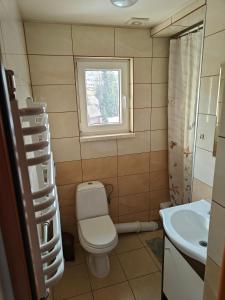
<point>98,233</point>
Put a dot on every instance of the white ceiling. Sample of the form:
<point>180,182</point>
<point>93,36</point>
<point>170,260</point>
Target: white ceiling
<point>100,12</point>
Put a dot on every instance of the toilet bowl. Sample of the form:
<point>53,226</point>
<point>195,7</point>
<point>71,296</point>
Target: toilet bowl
<point>96,231</point>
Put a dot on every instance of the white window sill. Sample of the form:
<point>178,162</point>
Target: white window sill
<point>107,137</point>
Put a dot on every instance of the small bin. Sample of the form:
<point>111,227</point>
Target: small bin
<point>68,246</point>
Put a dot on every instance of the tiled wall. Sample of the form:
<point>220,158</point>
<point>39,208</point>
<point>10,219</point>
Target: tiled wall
<point>213,56</point>
<point>13,48</point>
<point>136,167</point>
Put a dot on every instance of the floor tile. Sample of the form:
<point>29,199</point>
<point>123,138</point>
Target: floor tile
<point>74,282</point>
<point>115,276</point>
<point>88,296</point>
<point>143,236</point>
<point>137,263</point>
<point>116,292</point>
<point>147,287</point>
<point>154,258</point>
<point>148,236</point>
<point>128,242</point>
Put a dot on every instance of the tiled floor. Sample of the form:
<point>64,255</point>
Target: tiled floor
<point>134,274</point>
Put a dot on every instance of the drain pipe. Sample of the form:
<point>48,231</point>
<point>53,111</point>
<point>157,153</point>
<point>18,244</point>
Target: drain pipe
<point>136,227</point>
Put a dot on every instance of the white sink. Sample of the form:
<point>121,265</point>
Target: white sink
<point>187,227</point>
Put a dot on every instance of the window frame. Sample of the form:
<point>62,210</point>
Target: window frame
<point>126,91</point>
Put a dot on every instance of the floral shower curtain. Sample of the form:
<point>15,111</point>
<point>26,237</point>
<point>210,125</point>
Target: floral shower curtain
<point>184,71</point>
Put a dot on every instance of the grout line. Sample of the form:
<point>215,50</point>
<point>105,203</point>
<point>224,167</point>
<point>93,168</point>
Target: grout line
<point>132,154</point>
<point>54,84</point>
<point>214,33</point>
<point>131,250</point>
<point>219,204</point>
<point>28,62</point>
<point>61,112</point>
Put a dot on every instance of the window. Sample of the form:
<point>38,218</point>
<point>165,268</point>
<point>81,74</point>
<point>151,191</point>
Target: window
<point>104,96</point>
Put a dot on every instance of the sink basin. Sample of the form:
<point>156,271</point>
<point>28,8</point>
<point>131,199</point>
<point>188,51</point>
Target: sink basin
<point>187,227</point>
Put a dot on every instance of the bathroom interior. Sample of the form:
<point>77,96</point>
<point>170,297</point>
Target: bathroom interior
<point>112,150</point>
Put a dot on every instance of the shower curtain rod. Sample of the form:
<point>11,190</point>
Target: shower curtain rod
<point>189,30</point>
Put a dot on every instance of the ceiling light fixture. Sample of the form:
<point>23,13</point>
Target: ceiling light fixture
<point>123,3</point>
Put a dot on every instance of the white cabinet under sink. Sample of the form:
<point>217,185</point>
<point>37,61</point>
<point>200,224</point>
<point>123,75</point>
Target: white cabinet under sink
<point>180,281</point>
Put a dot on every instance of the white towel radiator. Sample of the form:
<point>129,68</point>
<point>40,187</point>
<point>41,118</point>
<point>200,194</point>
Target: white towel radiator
<point>33,159</point>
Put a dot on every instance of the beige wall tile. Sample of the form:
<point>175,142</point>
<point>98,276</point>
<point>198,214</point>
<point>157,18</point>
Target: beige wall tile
<point>201,190</point>
<point>133,184</point>
<point>214,17</point>
<point>51,69</point>
<point>63,124</point>
<point>59,98</point>
<point>219,176</point>
<point>160,47</point>
<point>132,204</point>
<point>142,119</point>
<point>133,42</point>
<point>113,209</point>
<point>13,48</point>
<point>216,233</point>
<point>213,54</point>
<point>68,212</point>
<point>142,70</point>
<point>159,119</point>
<point>51,39</point>
<point>133,164</point>
<point>99,168</point>
<point>138,144</point>
<point>22,92</point>
<point>68,226</point>
<point>66,149</point>
<point>67,194</point>
<point>2,49</point>
<point>159,95</point>
<point>208,95</point>
<point>212,279</point>
<point>108,182</point>
<point>158,160</point>
<point>141,216</point>
<point>95,149</point>
<point>154,215</point>
<point>93,40</point>
<point>142,95</point>
<point>18,63</point>
<point>12,33</point>
<point>159,140</point>
<point>68,172</point>
<point>159,70</point>
<point>159,180</point>
<point>157,197</point>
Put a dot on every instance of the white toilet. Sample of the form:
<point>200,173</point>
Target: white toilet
<point>97,233</point>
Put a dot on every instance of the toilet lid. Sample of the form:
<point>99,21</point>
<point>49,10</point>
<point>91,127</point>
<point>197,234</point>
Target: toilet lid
<point>98,232</point>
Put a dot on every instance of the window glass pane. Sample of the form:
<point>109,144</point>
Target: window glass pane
<point>103,98</point>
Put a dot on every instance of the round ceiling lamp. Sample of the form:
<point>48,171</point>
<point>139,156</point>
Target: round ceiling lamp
<point>123,3</point>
